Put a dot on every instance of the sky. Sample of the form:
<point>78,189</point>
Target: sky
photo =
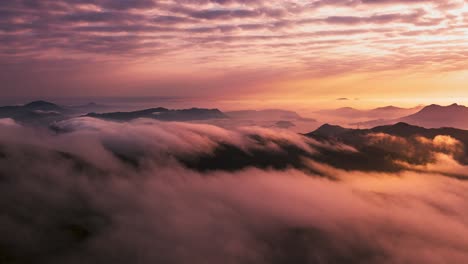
<point>295,52</point>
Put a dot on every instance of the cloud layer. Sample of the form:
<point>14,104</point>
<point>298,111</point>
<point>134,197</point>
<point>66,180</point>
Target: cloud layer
<point>259,40</point>
<point>73,197</point>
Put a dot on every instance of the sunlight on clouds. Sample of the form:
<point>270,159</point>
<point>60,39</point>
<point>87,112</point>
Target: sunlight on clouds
<point>283,48</point>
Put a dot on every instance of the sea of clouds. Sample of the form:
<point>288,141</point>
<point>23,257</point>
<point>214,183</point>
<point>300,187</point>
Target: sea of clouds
<point>93,191</point>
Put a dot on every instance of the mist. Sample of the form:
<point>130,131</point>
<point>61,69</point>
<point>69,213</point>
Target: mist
<point>97,191</point>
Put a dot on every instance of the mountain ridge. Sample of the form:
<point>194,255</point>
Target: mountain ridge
<point>163,114</point>
<point>431,116</point>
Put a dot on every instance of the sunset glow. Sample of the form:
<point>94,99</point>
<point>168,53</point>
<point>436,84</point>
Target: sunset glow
<point>296,49</point>
<point>234,131</point>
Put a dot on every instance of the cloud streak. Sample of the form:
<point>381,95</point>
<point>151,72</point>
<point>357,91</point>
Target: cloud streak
<point>220,36</point>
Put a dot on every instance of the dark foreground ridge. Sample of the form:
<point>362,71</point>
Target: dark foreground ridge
<point>400,129</point>
<point>381,153</point>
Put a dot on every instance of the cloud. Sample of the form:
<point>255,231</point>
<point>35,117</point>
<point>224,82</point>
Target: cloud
<point>71,197</point>
<point>213,35</point>
<point>444,164</point>
<point>418,147</point>
<point>7,122</point>
<point>179,138</point>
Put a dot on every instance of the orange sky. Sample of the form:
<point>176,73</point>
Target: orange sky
<point>294,52</point>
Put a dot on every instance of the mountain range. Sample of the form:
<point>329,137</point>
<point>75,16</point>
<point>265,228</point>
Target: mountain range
<point>163,114</point>
<point>268,114</point>
<point>399,129</point>
<point>37,112</point>
<point>44,113</point>
<point>432,116</point>
<point>378,148</point>
<point>272,118</point>
<point>380,112</point>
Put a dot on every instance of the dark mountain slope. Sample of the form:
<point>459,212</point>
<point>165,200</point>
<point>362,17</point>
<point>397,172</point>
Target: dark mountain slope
<point>163,114</point>
<point>34,113</point>
<point>378,152</point>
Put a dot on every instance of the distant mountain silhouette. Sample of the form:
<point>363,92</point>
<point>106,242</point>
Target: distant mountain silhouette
<point>284,124</point>
<point>163,114</point>
<point>268,114</point>
<point>440,116</point>
<point>387,112</point>
<point>35,113</point>
<point>44,113</point>
<point>328,130</point>
<point>343,111</point>
<point>43,106</point>
<point>432,116</point>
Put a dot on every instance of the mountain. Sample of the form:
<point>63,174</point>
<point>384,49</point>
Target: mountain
<point>400,129</point>
<point>272,118</point>
<point>440,116</point>
<point>43,106</point>
<point>328,130</point>
<point>387,112</point>
<point>432,116</point>
<point>378,150</point>
<point>284,124</point>
<point>163,114</point>
<point>343,111</point>
<point>268,114</point>
<point>393,111</point>
<point>34,113</point>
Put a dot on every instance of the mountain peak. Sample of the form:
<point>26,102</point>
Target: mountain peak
<point>388,107</point>
<point>346,108</point>
<point>438,109</point>
<point>38,102</point>
<point>454,105</point>
<point>42,105</point>
<point>432,106</point>
<point>163,114</point>
<point>328,126</point>
<point>329,130</point>
<point>402,124</point>
<point>436,116</point>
